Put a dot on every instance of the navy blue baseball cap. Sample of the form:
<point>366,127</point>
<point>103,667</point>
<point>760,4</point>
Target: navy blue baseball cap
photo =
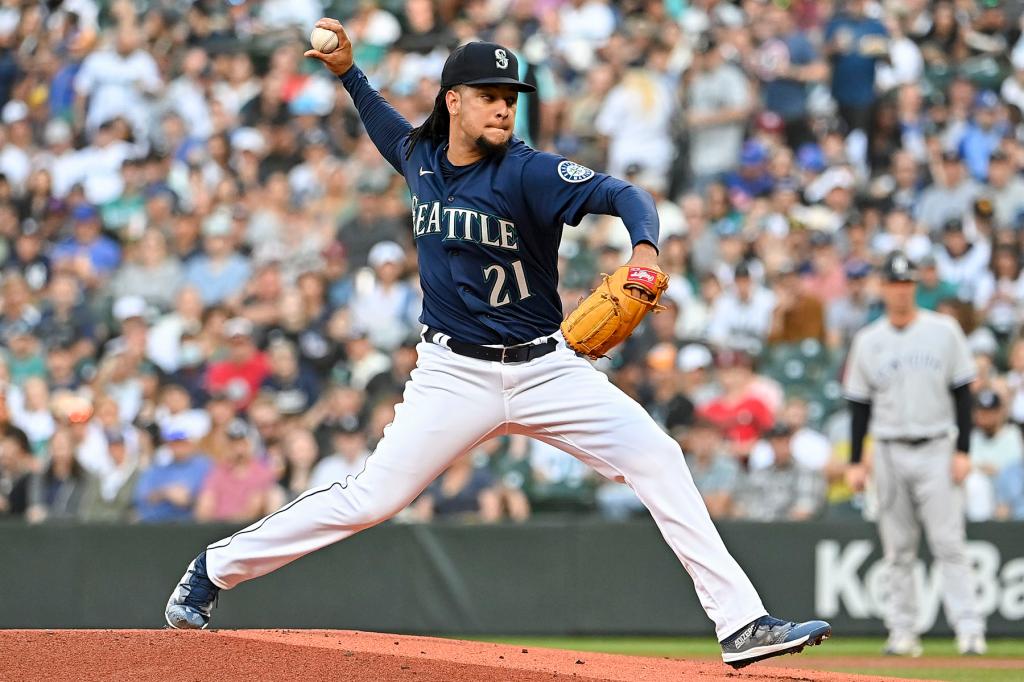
<point>480,63</point>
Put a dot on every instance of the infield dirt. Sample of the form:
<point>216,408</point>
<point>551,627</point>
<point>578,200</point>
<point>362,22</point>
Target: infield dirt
<point>230,655</point>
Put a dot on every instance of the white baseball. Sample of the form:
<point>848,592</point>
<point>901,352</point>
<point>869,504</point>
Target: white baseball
<point>323,40</point>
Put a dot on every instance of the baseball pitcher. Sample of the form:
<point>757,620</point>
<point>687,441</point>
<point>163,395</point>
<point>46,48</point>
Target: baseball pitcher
<point>495,356</point>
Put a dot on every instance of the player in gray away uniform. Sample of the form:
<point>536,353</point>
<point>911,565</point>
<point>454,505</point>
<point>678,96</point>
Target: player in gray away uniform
<point>909,375</point>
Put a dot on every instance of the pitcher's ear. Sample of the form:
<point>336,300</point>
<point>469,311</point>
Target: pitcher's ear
<point>453,100</point>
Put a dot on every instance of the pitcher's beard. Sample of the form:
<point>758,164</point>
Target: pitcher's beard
<point>490,149</point>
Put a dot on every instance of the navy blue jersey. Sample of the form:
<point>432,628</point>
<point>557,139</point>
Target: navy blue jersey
<point>487,234</point>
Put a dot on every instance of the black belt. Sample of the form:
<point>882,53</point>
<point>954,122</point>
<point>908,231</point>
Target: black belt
<point>506,354</point>
<point>912,442</point>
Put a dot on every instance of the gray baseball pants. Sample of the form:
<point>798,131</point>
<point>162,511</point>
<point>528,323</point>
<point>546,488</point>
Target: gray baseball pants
<point>915,489</point>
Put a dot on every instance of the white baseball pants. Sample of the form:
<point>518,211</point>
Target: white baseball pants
<point>452,404</point>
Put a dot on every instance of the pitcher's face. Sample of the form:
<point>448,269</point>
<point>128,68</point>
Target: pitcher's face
<point>485,114</point>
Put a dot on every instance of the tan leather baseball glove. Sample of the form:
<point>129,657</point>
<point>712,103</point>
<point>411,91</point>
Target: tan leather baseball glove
<point>604,319</point>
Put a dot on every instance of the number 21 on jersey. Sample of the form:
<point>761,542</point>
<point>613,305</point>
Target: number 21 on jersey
<point>500,295</point>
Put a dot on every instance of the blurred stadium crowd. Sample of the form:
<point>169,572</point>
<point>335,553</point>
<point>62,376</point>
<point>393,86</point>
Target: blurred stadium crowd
<point>209,291</point>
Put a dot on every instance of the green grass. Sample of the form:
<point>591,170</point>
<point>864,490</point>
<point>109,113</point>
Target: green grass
<point>869,648</point>
<point>951,674</point>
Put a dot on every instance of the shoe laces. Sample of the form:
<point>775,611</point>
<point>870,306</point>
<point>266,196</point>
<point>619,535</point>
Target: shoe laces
<point>770,623</point>
<point>200,591</point>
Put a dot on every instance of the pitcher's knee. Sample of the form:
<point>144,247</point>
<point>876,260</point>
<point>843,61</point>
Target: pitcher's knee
<point>361,509</point>
<point>379,511</point>
<point>661,458</point>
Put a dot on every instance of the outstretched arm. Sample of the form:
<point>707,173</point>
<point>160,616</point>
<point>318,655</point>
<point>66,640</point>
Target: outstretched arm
<point>386,127</point>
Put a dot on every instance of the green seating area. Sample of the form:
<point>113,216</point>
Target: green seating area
<point>807,370</point>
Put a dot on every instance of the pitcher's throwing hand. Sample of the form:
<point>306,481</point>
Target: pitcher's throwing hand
<point>340,60</point>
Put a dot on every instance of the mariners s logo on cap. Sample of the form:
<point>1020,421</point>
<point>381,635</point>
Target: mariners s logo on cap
<point>571,171</point>
<point>478,63</point>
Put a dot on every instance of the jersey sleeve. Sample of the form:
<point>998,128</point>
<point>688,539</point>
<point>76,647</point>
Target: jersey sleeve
<point>560,191</point>
<point>856,384</point>
<point>961,369</point>
<point>386,127</point>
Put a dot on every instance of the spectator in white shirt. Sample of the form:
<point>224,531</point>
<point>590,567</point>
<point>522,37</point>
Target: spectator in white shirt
<point>30,411</point>
<point>60,157</point>
<point>98,166</point>
<point>742,316</point>
<point>1012,89</point>
<point>590,21</point>
<point>187,95</point>
<point>239,87</point>
<point>372,26</point>
<point>810,448</point>
<point>949,196</point>
<point>384,305</point>
<point>15,142</point>
<point>999,292</point>
<point>1006,189</point>
<point>962,262</point>
<point>283,14</point>
<point>1015,382</point>
<point>905,62</point>
<point>719,105</point>
<point>635,118</point>
<point>348,459</point>
<point>118,82</point>
<point>900,234</point>
<point>995,445</point>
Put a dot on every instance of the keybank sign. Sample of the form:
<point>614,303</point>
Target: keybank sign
<point>849,578</point>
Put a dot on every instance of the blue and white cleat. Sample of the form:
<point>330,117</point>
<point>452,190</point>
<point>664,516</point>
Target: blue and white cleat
<point>767,637</point>
<point>192,599</point>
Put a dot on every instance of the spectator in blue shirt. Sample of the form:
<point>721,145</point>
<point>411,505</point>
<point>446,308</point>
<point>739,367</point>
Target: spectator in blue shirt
<point>62,86</point>
<point>752,179</point>
<point>854,42</point>
<point>1010,493</point>
<point>785,63</point>
<point>10,72</point>
<point>983,135</point>
<point>167,491</point>
<point>88,254</point>
<point>218,273</point>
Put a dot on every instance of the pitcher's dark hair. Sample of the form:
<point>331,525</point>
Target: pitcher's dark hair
<point>435,128</point>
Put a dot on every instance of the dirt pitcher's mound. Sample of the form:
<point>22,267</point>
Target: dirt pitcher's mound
<point>229,655</point>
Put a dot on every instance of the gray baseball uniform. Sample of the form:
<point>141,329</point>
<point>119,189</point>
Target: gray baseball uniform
<point>906,375</point>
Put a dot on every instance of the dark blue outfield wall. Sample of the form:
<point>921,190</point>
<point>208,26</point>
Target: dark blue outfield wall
<point>546,577</point>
